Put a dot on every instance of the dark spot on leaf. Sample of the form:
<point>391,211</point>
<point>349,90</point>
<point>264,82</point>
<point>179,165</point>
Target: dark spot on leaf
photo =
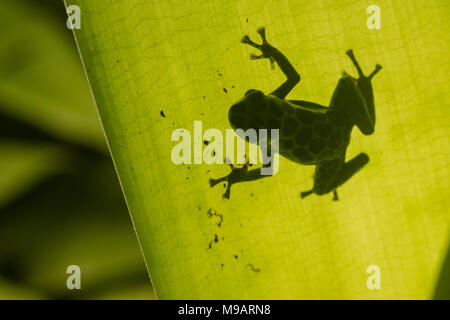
<point>162,114</point>
<point>253,268</point>
<point>225,90</point>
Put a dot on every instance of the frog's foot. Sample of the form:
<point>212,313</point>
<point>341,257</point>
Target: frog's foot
<point>358,68</point>
<point>265,47</point>
<point>236,175</point>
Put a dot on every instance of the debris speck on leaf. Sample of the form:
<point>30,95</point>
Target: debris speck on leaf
<point>253,268</point>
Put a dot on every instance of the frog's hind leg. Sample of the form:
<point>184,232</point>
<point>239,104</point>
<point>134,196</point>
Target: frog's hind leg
<point>349,169</point>
<point>330,175</point>
<point>324,174</point>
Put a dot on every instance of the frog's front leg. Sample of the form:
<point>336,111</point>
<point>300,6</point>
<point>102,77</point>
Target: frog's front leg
<point>272,53</point>
<point>237,175</point>
<point>332,174</point>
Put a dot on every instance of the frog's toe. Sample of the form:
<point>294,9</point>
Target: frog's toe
<point>246,39</point>
<point>335,196</point>
<point>226,195</point>
<point>304,194</point>
<point>213,182</point>
<point>262,33</point>
<point>256,57</point>
<point>378,67</point>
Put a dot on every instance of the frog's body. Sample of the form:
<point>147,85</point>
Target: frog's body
<point>309,133</point>
<point>306,136</point>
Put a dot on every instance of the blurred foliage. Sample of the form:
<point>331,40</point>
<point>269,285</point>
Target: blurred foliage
<point>60,200</point>
<point>41,82</point>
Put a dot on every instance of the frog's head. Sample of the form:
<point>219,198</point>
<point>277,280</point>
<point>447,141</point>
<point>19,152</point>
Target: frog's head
<point>245,108</point>
<point>365,116</point>
<point>351,106</point>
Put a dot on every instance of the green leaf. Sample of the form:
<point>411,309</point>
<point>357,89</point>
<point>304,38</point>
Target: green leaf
<point>41,81</point>
<point>142,58</point>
